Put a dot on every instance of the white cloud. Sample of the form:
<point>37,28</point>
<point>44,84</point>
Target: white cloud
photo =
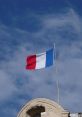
<point>7,88</point>
<point>42,83</point>
<point>70,18</point>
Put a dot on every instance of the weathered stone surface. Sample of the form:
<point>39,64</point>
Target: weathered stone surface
<point>42,107</point>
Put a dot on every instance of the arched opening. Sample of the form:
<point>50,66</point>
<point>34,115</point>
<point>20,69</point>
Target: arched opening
<point>35,111</point>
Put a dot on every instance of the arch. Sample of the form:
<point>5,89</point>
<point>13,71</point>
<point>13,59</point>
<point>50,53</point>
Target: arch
<point>39,103</point>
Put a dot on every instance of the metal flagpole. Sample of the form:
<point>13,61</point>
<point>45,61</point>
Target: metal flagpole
<point>57,82</point>
<point>58,96</point>
<point>54,55</point>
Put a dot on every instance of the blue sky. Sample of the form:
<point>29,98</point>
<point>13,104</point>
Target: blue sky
<point>32,26</point>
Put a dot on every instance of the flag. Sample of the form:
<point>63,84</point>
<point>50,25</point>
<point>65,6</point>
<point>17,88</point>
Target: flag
<point>41,60</point>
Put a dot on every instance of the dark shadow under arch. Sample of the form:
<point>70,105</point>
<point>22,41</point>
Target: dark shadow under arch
<point>36,111</point>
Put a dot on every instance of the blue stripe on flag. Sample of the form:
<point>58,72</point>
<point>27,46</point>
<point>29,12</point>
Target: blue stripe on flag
<point>49,57</point>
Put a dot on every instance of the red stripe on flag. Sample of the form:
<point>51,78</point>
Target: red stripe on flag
<point>31,62</point>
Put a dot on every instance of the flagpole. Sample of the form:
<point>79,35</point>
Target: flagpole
<point>54,55</point>
<point>58,93</point>
<point>57,82</point>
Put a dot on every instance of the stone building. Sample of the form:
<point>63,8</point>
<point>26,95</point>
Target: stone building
<point>42,107</point>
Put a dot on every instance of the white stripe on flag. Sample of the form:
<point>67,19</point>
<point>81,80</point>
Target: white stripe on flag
<point>40,61</point>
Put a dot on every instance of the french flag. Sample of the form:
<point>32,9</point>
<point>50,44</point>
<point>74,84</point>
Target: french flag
<point>41,60</point>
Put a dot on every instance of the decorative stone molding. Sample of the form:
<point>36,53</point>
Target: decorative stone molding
<point>42,107</point>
